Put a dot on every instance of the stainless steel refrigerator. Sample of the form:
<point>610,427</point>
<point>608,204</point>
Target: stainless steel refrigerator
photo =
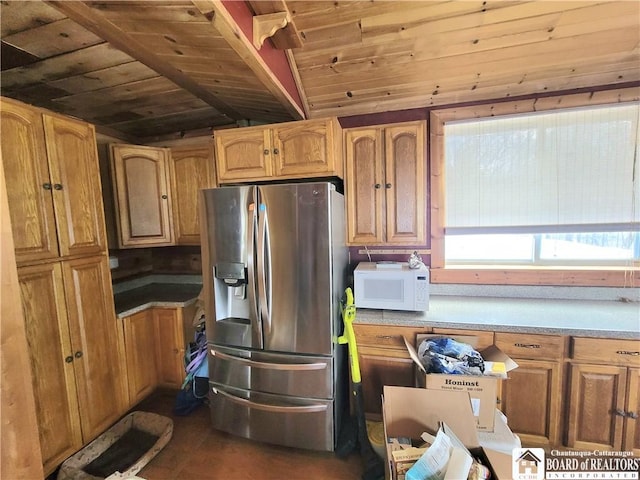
<point>274,271</point>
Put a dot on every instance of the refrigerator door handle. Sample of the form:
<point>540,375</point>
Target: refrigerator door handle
<point>270,365</point>
<point>264,268</point>
<point>271,408</point>
<point>251,269</point>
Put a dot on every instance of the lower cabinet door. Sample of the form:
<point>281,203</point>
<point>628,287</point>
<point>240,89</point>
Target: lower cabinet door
<point>596,409</point>
<point>170,347</point>
<point>140,347</point>
<point>380,367</point>
<point>531,401</point>
<point>632,422</point>
<point>51,356</point>
<point>94,338</point>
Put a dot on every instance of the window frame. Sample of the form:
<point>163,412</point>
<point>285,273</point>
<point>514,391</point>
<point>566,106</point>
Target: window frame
<point>501,274</point>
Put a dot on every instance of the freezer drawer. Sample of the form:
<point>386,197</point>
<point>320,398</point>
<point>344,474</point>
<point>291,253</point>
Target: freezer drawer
<point>289,421</point>
<point>281,374</point>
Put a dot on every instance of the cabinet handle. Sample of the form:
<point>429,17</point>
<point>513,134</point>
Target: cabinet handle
<point>377,185</point>
<point>164,197</point>
<point>266,151</point>
<point>46,186</point>
<point>620,413</point>
<point>527,345</point>
<point>57,186</point>
<point>627,352</point>
<point>78,354</point>
<point>276,151</point>
<point>633,415</point>
<point>384,337</point>
<point>68,359</point>
<point>387,185</point>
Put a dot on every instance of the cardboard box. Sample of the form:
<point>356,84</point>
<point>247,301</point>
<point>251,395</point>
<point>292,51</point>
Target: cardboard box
<point>502,439</point>
<point>409,412</point>
<point>483,389</point>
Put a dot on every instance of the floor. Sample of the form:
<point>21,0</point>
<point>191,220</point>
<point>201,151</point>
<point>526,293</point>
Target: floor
<point>196,451</point>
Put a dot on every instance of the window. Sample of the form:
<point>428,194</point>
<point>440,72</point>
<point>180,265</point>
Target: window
<point>524,187</point>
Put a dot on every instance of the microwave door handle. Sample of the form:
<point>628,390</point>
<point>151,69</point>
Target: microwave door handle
<point>264,271</point>
<point>256,325</point>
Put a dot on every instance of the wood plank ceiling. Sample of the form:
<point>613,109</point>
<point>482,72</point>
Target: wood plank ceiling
<point>143,69</point>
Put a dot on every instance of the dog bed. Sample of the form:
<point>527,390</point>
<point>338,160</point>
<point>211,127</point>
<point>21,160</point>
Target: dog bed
<point>122,451</point>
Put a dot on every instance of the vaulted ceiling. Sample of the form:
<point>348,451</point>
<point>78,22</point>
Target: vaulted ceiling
<point>140,70</point>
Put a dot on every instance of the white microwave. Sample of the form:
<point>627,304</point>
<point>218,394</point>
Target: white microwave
<point>391,286</point>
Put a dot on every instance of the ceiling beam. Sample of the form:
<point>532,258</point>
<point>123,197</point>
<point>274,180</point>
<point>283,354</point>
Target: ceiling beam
<point>234,21</point>
<point>95,22</point>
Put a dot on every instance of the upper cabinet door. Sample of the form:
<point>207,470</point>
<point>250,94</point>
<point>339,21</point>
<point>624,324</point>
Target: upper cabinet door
<point>386,184</point>
<point>405,183</point>
<point>243,154</point>
<point>77,194</point>
<point>306,148</point>
<point>29,186</point>
<point>141,179</point>
<point>192,169</point>
<point>364,185</point>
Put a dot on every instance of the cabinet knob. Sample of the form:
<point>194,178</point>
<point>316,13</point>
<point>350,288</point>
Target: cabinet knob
<point>57,186</point>
<point>276,151</point>
<point>68,359</point>
<point>46,186</point>
<point>387,185</point>
<point>164,197</point>
<point>633,415</point>
<point>377,185</point>
<point>78,354</point>
<point>266,151</point>
<point>620,413</point>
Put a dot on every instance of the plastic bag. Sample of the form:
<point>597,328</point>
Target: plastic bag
<point>446,355</point>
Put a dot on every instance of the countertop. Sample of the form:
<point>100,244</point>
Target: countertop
<point>586,312</point>
<point>578,317</point>
<point>156,291</point>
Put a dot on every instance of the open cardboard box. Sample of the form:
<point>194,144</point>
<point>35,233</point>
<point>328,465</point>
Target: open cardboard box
<point>409,412</point>
<point>483,389</point>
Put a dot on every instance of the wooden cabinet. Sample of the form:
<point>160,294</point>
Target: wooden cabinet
<point>55,203</point>
<point>154,348</point>
<point>140,351</point>
<point>170,346</point>
<point>308,148</point>
<point>190,169</point>
<point>531,397</point>
<point>604,392</point>
<point>384,360</point>
<point>53,184</point>
<point>157,193</point>
<point>141,186</point>
<point>386,184</point>
<point>73,345</point>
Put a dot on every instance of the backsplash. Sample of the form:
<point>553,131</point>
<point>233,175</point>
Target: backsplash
<point>137,262</point>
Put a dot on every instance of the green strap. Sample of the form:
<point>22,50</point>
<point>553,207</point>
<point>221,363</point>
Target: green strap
<point>348,336</point>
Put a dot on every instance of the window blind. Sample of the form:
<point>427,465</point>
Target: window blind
<point>544,172</point>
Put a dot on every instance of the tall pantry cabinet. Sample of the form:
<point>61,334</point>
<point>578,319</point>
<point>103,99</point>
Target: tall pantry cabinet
<point>55,205</point>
